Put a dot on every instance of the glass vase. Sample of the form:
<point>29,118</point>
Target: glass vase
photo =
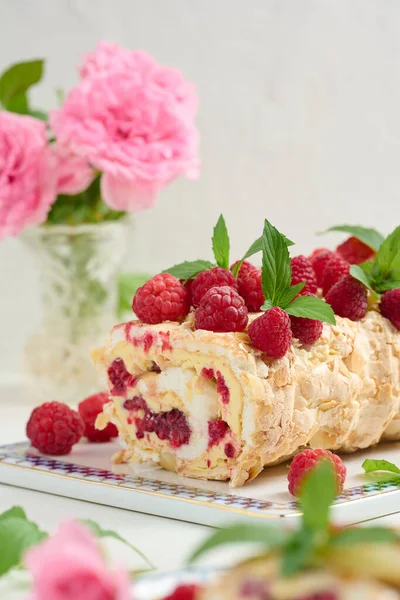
<point>78,268</point>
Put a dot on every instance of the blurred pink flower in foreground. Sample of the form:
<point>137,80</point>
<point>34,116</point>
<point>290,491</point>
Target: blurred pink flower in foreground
<point>69,566</point>
<point>133,121</point>
<point>74,173</point>
<point>27,173</point>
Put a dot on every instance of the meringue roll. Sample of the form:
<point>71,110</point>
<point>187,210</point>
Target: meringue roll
<point>210,406</point>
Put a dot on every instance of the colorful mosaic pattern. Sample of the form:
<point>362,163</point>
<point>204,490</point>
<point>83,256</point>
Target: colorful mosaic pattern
<point>20,456</point>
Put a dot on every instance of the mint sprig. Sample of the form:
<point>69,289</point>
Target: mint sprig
<point>370,237</point>
<point>308,307</point>
<point>254,249</point>
<point>220,243</point>
<point>189,269</point>
<point>371,465</point>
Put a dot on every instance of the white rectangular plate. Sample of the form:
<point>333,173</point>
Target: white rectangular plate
<point>87,474</point>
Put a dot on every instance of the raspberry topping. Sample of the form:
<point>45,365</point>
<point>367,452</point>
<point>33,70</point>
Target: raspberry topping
<point>251,291</point>
<point>307,331</point>
<point>348,298</point>
<point>319,260</point>
<point>335,269</point>
<point>354,251</point>
<point>215,277</point>
<point>244,270</point>
<point>304,462</point>
<point>184,592</point>
<point>271,332</point>
<point>53,428</point>
<point>221,309</point>
<point>390,306</point>
<point>229,450</point>
<point>216,431</point>
<point>325,595</point>
<point>162,298</point>
<point>89,409</point>
<point>302,270</point>
<point>119,377</point>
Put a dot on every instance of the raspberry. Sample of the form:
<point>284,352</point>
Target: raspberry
<point>184,592</point>
<point>162,298</point>
<point>119,377</point>
<point>302,270</point>
<point>354,251</point>
<point>216,431</point>
<point>271,332</point>
<point>215,277</point>
<point>348,298</point>
<point>244,270</point>
<point>307,331</point>
<point>323,595</point>
<point>335,269</point>
<point>53,428</point>
<point>390,306</point>
<point>251,291</point>
<point>89,409</point>
<point>319,262</point>
<point>221,309</point>
<point>304,462</point>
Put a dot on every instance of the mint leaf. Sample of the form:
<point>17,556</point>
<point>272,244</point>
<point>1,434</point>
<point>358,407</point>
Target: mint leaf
<point>15,81</point>
<point>370,465</point>
<point>268,537</point>
<point>128,284</point>
<point>15,511</point>
<point>257,246</point>
<point>385,286</point>
<point>367,267</point>
<point>17,534</point>
<point>358,273</point>
<point>387,260</point>
<point>39,114</point>
<point>365,534</point>
<point>309,307</point>
<point>267,305</point>
<point>220,243</point>
<point>100,533</point>
<point>370,237</point>
<point>291,292</point>
<point>318,493</point>
<point>298,552</point>
<point>275,272</point>
<point>189,269</point>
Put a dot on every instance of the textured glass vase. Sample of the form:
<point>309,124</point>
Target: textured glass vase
<point>78,268</point>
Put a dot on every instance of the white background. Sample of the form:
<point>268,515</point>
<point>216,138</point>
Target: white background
<point>299,117</point>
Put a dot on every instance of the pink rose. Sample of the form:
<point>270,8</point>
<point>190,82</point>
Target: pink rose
<point>69,566</point>
<point>134,122</point>
<point>74,174</point>
<point>27,173</point>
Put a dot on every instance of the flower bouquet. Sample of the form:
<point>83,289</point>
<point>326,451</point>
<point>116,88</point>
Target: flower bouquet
<point>121,135</point>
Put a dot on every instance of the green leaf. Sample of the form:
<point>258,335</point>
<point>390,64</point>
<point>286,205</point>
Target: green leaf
<point>128,284</point>
<point>268,537</point>
<point>102,533</point>
<point>17,534</point>
<point>298,552</point>
<point>289,294</point>
<point>370,237</point>
<point>309,307</point>
<point>358,273</point>
<point>257,246</point>
<point>385,286</point>
<point>19,104</point>
<point>365,535</point>
<point>317,494</point>
<point>220,243</point>
<point>16,80</point>
<point>39,114</point>
<point>367,267</point>
<point>275,272</point>
<point>189,269</point>
<point>387,260</point>
<point>371,464</point>
<point>267,305</point>
<point>15,511</point>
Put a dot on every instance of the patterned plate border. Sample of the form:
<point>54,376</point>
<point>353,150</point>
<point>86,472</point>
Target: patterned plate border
<point>17,455</point>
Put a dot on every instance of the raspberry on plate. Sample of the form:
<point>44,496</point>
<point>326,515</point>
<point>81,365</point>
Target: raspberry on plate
<point>348,298</point>
<point>354,251</point>
<point>244,270</point>
<point>271,332</point>
<point>215,277</point>
<point>53,428</point>
<point>221,309</point>
<point>251,290</point>
<point>162,298</point>
<point>390,306</point>
<point>188,591</point>
<point>302,270</point>
<point>89,409</point>
<point>335,269</point>
<point>319,259</point>
<point>305,461</point>
<point>307,331</point>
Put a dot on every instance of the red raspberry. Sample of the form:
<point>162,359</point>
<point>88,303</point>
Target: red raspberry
<point>53,428</point>
<point>221,309</point>
<point>271,332</point>
<point>251,290</point>
<point>162,298</point>
<point>184,592</point>
<point>215,277</point>
<point>348,298</point>
<point>244,270</point>
<point>390,306</point>
<point>335,269</point>
<point>302,270</point>
<point>188,288</point>
<point>319,262</point>
<point>89,409</point>
<point>354,251</point>
<point>323,595</point>
<point>307,331</point>
<point>304,462</point>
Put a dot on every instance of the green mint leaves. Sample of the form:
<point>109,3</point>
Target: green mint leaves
<point>371,465</point>
<point>370,237</point>
<point>15,83</point>
<point>189,269</point>
<point>276,281</point>
<point>17,535</point>
<point>220,243</point>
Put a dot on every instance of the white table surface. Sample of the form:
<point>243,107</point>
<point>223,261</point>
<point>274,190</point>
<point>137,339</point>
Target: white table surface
<point>166,542</point>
